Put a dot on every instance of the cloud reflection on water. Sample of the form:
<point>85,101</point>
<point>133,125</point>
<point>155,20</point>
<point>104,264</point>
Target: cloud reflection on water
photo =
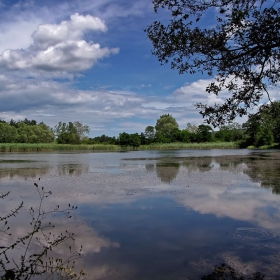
<point>224,187</point>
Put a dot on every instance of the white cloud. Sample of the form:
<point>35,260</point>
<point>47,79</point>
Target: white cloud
<point>48,35</point>
<point>60,47</point>
<point>195,92</point>
<point>17,34</point>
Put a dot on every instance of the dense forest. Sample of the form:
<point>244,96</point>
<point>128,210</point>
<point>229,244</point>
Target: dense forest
<point>262,128</point>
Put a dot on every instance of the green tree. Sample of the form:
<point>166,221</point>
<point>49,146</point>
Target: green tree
<point>143,139</point>
<point>229,133</point>
<point>240,48</point>
<point>32,133</point>
<point>124,139</point>
<point>135,140</point>
<point>263,128</point>
<point>165,128</point>
<point>71,133</point>
<point>204,133</point>
<point>264,136</point>
<point>176,135</point>
<point>45,134</point>
<point>186,136</point>
<point>81,130</point>
<point>150,134</point>
<point>8,133</point>
<point>132,140</point>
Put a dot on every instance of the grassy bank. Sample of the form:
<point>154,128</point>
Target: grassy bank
<point>266,147</point>
<point>23,147</point>
<point>178,145</point>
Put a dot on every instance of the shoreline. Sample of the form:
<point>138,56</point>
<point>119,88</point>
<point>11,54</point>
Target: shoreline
<point>41,147</point>
<point>46,147</point>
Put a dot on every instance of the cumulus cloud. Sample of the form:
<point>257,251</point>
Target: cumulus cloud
<point>195,92</point>
<point>17,34</point>
<point>60,47</point>
<point>48,35</point>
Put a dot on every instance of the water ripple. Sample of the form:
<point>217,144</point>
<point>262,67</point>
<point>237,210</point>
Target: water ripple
<point>255,233</point>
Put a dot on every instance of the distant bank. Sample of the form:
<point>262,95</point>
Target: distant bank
<point>41,147</point>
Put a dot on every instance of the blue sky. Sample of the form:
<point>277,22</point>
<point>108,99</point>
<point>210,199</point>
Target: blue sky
<point>91,61</point>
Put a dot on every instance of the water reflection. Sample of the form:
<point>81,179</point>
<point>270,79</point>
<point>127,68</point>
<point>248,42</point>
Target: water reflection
<point>166,171</point>
<point>198,164</point>
<point>72,169</point>
<point>266,171</point>
<point>23,173</point>
<point>168,216</point>
<point>224,271</point>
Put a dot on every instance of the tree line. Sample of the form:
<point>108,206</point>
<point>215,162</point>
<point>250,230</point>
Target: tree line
<point>262,128</point>
<point>26,131</point>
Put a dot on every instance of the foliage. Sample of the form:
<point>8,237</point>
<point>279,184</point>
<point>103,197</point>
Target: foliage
<point>42,263</point>
<point>165,128</point>
<point>7,133</point>
<point>25,121</point>
<point>186,136</point>
<point>135,140</point>
<point>240,47</point>
<point>149,134</point>
<point>204,133</point>
<point>25,132</point>
<point>231,132</point>
<point>132,140</point>
<point>103,139</point>
<point>263,128</point>
<point>81,130</point>
<point>71,133</point>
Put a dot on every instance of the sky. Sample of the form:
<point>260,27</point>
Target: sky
<point>91,61</point>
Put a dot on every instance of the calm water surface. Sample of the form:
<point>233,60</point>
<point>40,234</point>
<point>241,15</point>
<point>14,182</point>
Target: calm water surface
<point>156,214</point>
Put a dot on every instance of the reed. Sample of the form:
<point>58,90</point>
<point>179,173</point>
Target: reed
<point>179,145</point>
<point>41,147</point>
<point>266,147</point>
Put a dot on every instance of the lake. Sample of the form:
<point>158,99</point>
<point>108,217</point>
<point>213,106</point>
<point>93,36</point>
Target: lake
<point>155,214</point>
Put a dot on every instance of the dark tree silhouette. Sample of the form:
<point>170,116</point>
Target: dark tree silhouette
<point>240,48</point>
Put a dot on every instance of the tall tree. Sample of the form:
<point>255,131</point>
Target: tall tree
<point>8,133</point>
<point>149,134</point>
<point>204,133</point>
<point>81,130</point>
<point>231,132</point>
<point>240,48</point>
<point>263,128</point>
<point>71,133</point>
<point>165,127</point>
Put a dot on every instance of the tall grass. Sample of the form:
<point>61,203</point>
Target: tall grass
<point>266,147</point>
<point>179,145</point>
<point>40,147</point>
